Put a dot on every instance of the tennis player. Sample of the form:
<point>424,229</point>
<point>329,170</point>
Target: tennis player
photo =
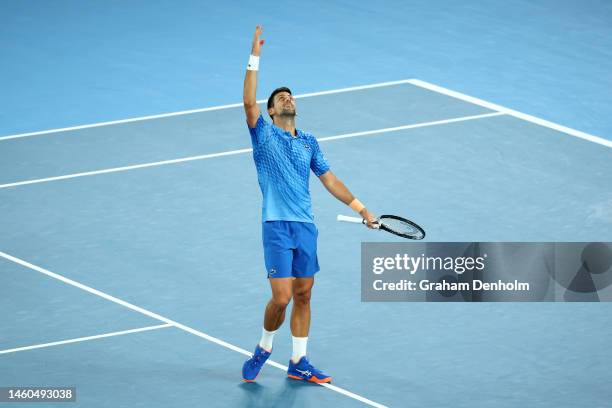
<point>284,157</point>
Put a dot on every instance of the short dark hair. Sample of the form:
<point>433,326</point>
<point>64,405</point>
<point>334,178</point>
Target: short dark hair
<point>274,92</point>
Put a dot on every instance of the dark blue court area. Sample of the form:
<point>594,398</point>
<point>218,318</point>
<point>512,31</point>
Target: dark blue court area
<point>181,240</point>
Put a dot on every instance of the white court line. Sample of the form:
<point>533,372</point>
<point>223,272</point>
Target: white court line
<point>126,168</point>
<point>529,118</point>
<point>241,151</point>
<point>79,339</point>
<point>191,111</point>
<point>172,323</point>
<point>413,126</point>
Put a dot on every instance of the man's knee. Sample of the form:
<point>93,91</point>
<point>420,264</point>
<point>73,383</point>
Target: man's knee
<point>301,296</point>
<point>280,302</point>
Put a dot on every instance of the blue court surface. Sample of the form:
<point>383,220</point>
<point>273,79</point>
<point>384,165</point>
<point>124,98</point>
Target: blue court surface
<point>137,225</point>
<point>131,264</point>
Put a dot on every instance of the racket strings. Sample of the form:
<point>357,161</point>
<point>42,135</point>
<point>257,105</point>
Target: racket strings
<point>401,227</point>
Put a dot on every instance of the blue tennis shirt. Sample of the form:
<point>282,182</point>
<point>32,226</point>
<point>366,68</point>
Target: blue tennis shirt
<point>283,163</point>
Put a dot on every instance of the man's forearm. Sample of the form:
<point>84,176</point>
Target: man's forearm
<point>250,88</point>
<point>340,191</point>
<point>249,92</point>
<point>337,188</point>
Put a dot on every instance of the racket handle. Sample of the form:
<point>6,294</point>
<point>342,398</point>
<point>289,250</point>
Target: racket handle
<point>345,218</point>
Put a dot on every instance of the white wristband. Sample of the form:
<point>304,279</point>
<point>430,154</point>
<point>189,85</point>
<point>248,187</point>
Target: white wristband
<point>253,63</point>
<point>356,205</point>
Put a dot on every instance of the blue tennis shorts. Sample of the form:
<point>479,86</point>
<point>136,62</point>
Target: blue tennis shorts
<point>290,249</point>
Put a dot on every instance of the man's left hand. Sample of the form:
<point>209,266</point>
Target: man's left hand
<point>371,221</point>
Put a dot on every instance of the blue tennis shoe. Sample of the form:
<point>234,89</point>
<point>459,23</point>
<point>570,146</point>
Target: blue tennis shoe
<point>303,370</point>
<point>253,365</point>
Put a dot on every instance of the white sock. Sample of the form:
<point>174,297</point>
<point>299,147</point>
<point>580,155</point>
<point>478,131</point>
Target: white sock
<point>299,348</point>
<point>266,339</point>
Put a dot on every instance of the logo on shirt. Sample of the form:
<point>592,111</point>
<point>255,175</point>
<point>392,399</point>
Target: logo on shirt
<point>307,146</point>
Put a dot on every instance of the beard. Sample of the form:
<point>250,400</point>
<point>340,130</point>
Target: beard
<point>288,113</point>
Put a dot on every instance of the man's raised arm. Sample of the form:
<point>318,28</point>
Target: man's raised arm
<point>250,80</point>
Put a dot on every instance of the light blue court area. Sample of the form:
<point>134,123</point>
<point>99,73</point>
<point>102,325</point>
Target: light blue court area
<point>104,207</point>
<point>549,58</point>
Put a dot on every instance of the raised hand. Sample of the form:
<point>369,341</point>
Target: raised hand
<point>257,41</point>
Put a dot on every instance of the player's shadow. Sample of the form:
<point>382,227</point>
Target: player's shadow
<point>259,396</point>
<point>596,259</point>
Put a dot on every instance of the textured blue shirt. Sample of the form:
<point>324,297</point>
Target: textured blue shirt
<point>283,165</point>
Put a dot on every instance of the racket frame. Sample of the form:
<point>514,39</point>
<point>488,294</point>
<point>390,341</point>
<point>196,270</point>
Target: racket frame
<point>359,220</point>
<point>402,219</point>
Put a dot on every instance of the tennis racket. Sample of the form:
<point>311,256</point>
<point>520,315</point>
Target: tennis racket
<point>399,226</point>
